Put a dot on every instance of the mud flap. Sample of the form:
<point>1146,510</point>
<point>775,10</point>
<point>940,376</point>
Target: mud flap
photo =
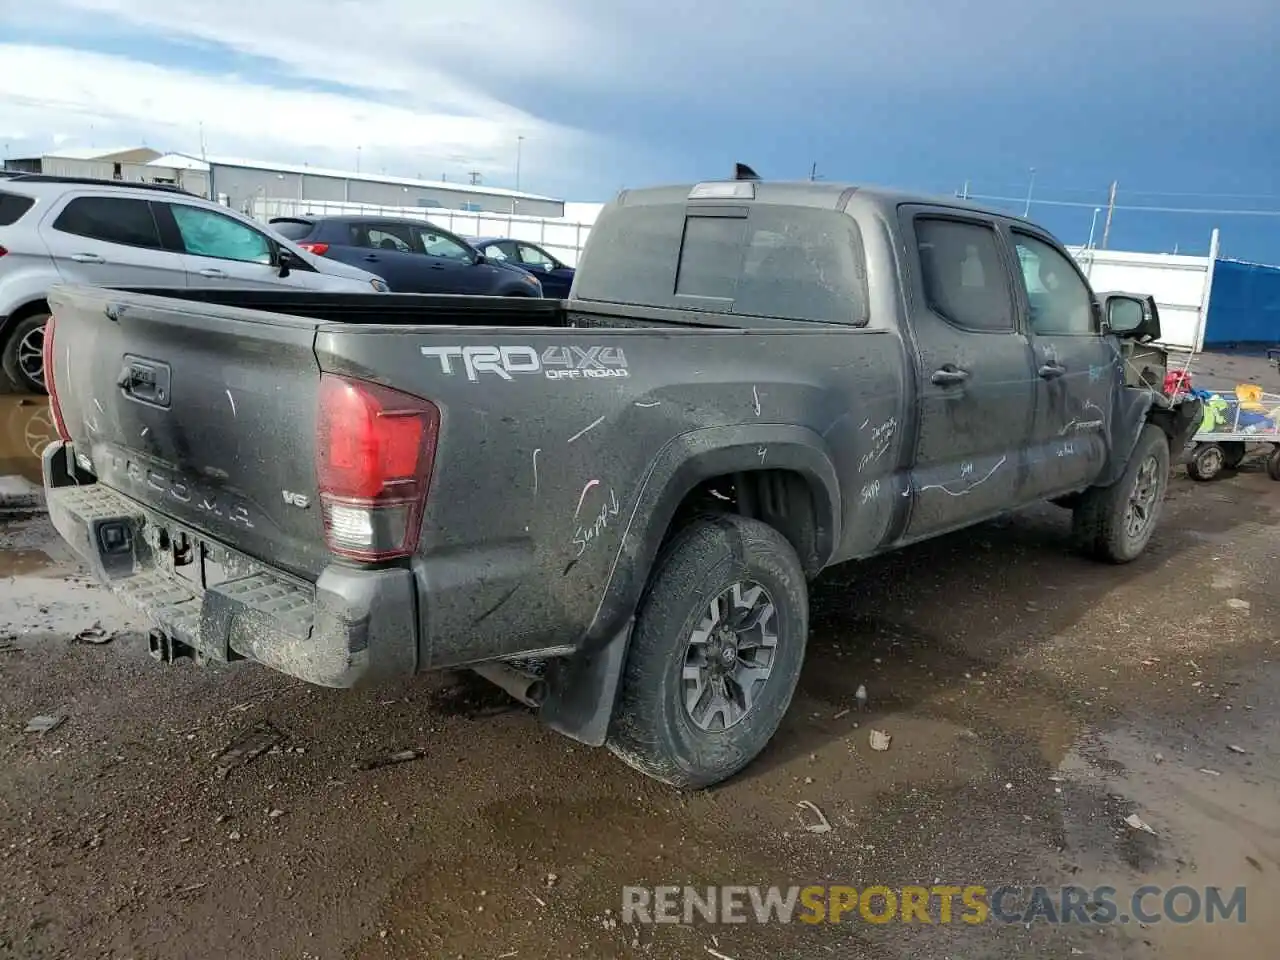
<point>582,689</point>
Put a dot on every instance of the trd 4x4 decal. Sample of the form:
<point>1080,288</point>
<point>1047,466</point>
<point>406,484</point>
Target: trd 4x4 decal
<point>554,363</point>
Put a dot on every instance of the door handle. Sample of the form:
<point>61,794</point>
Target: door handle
<point>437,266</point>
<point>212,272</point>
<point>949,375</point>
<point>372,258</point>
<point>1051,371</point>
<point>87,258</point>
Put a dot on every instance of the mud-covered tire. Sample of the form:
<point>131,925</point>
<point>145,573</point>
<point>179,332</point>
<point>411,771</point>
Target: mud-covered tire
<point>23,367</point>
<point>1273,463</point>
<point>1103,524</point>
<point>1206,461</point>
<point>1233,453</point>
<point>653,728</point>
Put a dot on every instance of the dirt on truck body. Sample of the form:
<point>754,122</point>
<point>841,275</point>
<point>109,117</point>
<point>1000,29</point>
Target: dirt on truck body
<point>629,490</point>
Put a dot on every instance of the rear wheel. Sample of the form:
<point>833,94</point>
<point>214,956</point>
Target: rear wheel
<point>1207,460</point>
<point>1273,463</point>
<point>716,653</point>
<point>1115,523</point>
<point>23,358</point>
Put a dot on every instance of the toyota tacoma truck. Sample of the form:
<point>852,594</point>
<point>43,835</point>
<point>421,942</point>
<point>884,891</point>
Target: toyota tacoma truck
<point>610,505</point>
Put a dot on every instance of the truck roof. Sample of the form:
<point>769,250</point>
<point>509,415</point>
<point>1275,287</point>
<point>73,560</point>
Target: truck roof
<point>801,193</point>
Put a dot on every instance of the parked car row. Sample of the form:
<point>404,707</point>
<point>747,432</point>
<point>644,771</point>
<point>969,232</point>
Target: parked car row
<point>110,233</point>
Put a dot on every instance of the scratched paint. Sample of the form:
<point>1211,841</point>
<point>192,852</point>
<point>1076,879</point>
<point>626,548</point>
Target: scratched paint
<point>587,429</point>
<point>966,472</point>
<point>596,521</point>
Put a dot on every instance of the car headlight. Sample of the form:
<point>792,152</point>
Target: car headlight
<point>379,285</point>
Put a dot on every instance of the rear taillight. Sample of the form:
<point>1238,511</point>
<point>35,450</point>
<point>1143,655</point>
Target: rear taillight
<point>375,448</point>
<point>319,249</point>
<point>55,408</point>
<point>3,251</point>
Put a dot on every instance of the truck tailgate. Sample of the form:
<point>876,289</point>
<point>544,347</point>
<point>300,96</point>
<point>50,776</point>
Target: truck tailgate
<point>206,414</point>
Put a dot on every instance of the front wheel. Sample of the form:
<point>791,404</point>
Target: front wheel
<point>1273,463</point>
<point>23,358</point>
<point>716,653</point>
<point>1115,523</point>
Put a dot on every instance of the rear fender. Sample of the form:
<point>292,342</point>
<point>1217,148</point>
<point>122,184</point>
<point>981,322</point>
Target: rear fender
<point>582,688</point>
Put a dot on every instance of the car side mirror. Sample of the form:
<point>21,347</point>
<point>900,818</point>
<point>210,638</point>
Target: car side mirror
<point>1132,316</point>
<point>287,260</point>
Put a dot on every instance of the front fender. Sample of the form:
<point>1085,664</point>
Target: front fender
<point>1133,410</point>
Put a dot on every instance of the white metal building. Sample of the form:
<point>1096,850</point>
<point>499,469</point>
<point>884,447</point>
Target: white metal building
<point>239,182</point>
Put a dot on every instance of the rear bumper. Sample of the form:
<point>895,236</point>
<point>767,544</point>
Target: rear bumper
<point>350,625</point>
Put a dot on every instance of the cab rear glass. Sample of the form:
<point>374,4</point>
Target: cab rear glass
<point>764,260</point>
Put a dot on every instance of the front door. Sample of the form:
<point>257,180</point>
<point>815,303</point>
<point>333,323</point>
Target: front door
<point>973,373</point>
<point>1076,369</point>
<point>220,252</point>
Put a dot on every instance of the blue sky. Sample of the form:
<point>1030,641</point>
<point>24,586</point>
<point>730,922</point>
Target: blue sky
<point>1174,99</point>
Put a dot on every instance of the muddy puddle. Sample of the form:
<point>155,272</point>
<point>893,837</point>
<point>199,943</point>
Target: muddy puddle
<point>26,427</point>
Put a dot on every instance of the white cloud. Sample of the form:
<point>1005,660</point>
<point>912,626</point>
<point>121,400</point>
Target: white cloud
<point>46,91</point>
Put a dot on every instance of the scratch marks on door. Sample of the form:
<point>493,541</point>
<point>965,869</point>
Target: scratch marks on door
<point>965,479</point>
<point>755,400</point>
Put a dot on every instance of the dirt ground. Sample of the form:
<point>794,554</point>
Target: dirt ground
<point>1035,699</point>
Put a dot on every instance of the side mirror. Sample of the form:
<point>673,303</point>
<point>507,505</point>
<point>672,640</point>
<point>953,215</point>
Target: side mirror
<point>286,260</point>
<point>1132,317</point>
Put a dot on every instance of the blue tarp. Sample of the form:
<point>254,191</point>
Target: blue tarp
<point>1244,304</point>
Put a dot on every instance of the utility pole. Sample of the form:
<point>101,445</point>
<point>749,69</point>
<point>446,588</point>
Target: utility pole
<point>519,151</point>
<point>358,149</point>
<point>1031,185</point>
<point>1111,209</point>
<point>475,178</point>
<point>813,172</point>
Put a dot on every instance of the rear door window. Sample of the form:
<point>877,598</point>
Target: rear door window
<point>12,207</point>
<point>384,236</point>
<point>965,280</point>
<point>111,219</point>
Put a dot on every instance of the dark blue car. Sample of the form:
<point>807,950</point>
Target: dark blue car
<point>412,256</point>
<point>555,277</point>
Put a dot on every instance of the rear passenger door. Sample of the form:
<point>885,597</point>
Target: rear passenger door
<point>1075,368</point>
<point>973,371</point>
<point>390,251</point>
<point>110,241</point>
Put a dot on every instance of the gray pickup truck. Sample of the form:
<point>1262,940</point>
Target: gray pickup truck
<point>610,505</point>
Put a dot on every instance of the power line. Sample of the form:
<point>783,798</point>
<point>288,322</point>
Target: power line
<point>1139,208</point>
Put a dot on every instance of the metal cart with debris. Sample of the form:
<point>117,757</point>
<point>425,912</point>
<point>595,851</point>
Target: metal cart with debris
<point>1235,427</point>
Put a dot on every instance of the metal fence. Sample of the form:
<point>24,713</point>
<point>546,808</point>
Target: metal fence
<point>559,237</point>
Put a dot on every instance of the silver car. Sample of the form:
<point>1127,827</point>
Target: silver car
<point>107,233</point>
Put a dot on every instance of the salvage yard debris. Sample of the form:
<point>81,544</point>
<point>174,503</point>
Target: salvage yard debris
<point>823,825</point>
<point>880,740</point>
<point>1137,823</point>
<point>44,723</point>
<point>95,635</point>
<point>248,747</point>
<point>402,756</point>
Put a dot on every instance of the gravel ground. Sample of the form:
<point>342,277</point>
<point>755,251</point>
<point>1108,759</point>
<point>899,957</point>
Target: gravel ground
<point>1034,700</point>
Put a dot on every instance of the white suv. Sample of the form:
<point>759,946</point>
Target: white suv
<point>111,233</point>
